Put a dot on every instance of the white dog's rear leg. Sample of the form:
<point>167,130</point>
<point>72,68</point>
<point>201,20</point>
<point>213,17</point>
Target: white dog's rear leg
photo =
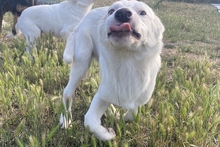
<point>93,119</point>
<point>31,41</point>
<point>130,115</point>
<point>77,72</point>
<point>30,44</point>
<point>30,31</point>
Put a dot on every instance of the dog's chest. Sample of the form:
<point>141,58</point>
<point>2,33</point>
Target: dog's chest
<point>123,80</point>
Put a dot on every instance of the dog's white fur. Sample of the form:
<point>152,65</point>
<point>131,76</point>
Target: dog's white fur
<point>59,19</point>
<point>128,65</point>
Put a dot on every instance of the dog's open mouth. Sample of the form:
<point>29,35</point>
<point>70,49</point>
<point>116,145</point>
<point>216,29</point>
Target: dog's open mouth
<point>123,30</point>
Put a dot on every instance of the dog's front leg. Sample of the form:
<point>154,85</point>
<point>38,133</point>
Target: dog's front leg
<point>93,119</point>
<point>77,72</point>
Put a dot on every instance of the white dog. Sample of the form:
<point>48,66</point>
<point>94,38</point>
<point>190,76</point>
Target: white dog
<point>59,19</point>
<point>127,40</point>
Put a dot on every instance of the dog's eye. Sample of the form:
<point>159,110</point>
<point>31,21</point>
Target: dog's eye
<point>143,13</point>
<point>111,11</point>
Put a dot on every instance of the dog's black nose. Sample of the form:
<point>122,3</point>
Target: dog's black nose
<point>123,15</point>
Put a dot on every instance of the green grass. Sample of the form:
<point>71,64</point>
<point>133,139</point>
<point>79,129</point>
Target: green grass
<point>184,109</point>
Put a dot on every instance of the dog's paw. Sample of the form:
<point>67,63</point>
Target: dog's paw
<point>106,134</point>
<point>99,131</point>
<point>64,121</point>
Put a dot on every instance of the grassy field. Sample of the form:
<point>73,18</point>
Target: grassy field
<point>184,110</point>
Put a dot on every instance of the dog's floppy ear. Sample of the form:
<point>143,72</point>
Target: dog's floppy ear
<point>156,30</point>
<point>159,27</point>
<point>156,36</point>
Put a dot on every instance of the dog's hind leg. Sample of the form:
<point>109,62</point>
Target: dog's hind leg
<point>31,33</point>
<point>77,72</point>
<point>130,114</point>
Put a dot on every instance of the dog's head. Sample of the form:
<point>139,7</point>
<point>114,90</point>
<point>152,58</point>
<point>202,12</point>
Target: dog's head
<point>130,23</point>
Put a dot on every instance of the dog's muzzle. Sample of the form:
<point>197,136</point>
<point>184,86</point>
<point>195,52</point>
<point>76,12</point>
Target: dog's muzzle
<point>123,15</point>
<point>123,28</point>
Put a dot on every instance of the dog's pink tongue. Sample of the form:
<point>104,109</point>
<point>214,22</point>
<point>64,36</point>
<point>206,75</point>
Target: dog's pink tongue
<point>123,27</point>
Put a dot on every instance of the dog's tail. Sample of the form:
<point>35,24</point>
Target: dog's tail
<point>69,49</point>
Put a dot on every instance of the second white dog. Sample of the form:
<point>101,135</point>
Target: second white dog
<point>59,19</point>
<point>127,40</point>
